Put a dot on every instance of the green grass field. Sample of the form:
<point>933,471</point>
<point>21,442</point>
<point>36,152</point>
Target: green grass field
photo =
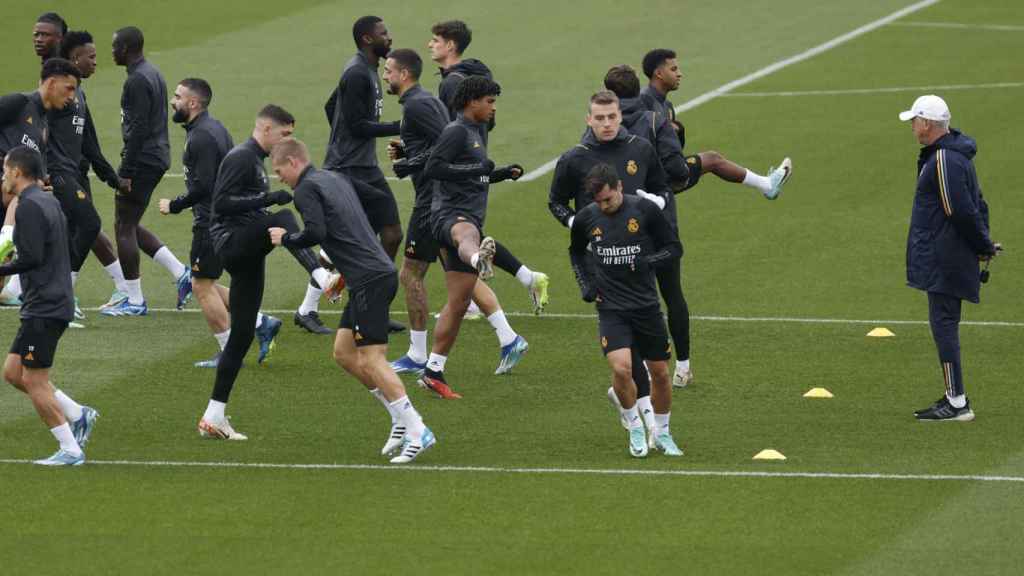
<point>531,473</point>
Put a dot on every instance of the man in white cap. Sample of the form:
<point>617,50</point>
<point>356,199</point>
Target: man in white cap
<point>949,235</point>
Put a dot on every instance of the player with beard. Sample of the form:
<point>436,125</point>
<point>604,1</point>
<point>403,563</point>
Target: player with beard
<point>459,164</point>
<point>207,142</point>
<point>662,68</point>
<point>617,242</point>
<point>447,43</point>
<point>145,158</point>
<point>423,119</point>
<point>238,228</point>
<point>353,111</point>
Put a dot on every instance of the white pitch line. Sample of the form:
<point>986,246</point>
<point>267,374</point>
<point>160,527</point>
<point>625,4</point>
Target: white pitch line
<point>272,176</point>
<point>875,90</point>
<point>770,69</point>
<point>711,318</point>
<point>961,26</point>
<point>554,471</point>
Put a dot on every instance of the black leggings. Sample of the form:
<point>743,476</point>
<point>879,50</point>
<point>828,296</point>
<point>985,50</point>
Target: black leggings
<point>83,221</point>
<point>670,284</point>
<point>505,260</point>
<point>244,256</point>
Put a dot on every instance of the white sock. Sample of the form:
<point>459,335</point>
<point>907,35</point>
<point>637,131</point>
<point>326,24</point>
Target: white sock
<point>417,346</point>
<point>682,365</point>
<point>615,398</point>
<point>661,422</point>
<point>7,233</point>
<point>525,276</point>
<point>74,279</point>
<point>436,362</point>
<point>6,292</point>
<point>474,259</point>
<point>633,417</point>
<point>14,286</point>
<point>311,303</point>
<point>408,416</point>
<point>67,440</point>
<point>116,274</point>
<point>387,405</point>
<point>762,183</point>
<point>957,401</point>
<point>321,276</point>
<point>134,290</point>
<point>72,410</point>
<point>214,412</point>
<point>168,260</point>
<point>259,319</point>
<point>646,411</point>
<point>222,338</point>
<point>506,335</point>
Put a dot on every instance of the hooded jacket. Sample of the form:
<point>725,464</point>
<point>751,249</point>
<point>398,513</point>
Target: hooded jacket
<point>452,77</point>
<point>658,131</point>
<point>949,223</point>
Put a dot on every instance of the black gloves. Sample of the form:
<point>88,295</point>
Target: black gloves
<point>510,172</point>
<point>402,168</point>
<point>279,197</point>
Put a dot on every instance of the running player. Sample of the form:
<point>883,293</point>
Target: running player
<point>335,220</point>
<point>447,43</point>
<point>626,237</point>
<point>144,159</point>
<point>463,172</point>
<point>44,264</point>
<point>207,142</point>
<point>238,228</point>
<point>662,68</point>
<point>423,119</point>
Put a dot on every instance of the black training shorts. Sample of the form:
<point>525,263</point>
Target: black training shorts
<point>643,330</point>
<point>420,244</point>
<point>442,226</point>
<point>144,182</point>
<point>36,341</point>
<point>203,259</point>
<point>366,313</point>
<point>696,170</point>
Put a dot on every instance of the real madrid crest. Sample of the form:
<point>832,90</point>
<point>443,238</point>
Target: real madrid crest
<point>632,226</point>
<point>632,168</point>
<point>604,342</point>
<point>81,195</point>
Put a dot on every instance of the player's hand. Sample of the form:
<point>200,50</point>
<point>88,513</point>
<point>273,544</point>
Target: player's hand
<point>510,172</point>
<point>276,235</point>
<point>46,185</point>
<point>657,200</point>
<point>588,292</point>
<point>279,197</point>
<point>165,206</point>
<point>396,150</point>
<point>401,168</point>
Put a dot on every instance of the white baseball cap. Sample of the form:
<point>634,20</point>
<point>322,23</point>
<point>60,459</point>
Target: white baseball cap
<point>929,107</point>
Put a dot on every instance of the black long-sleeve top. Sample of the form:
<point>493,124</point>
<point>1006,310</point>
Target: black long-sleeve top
<point>624,249</point>
<point>335,220</point>
<point>423,119</point>
<point>207,142</point>
<point>43,260</point>
<point>353,111</point>
<point>634,159</point>
<point>23,120</point>
<point>240,191</point>
<point>462,170</point>
<point>144,120</point>
<point>72,144</point>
